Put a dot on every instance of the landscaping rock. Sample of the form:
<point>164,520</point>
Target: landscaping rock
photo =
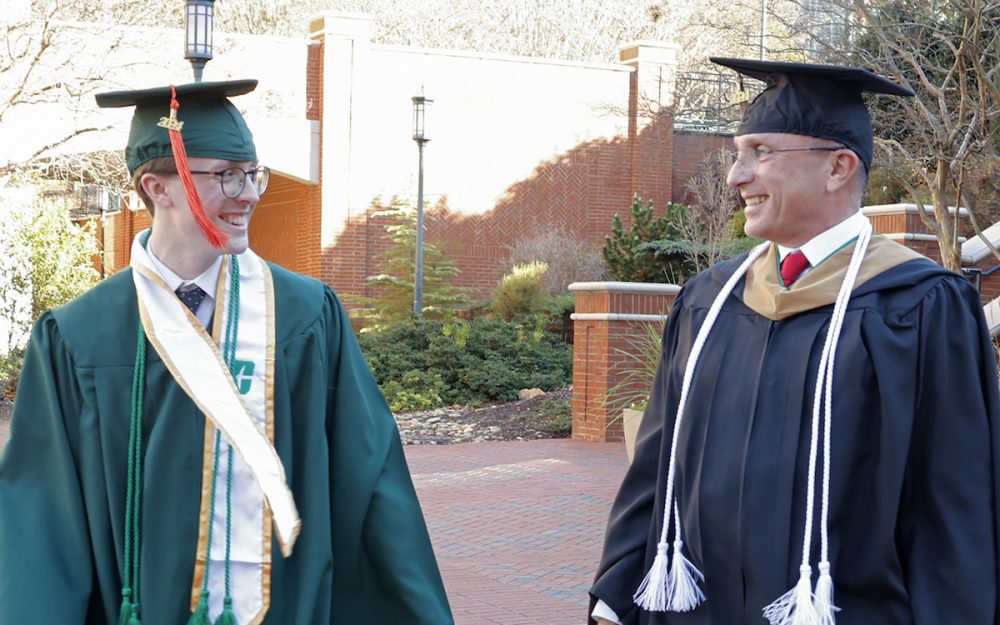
<point>530,393</point>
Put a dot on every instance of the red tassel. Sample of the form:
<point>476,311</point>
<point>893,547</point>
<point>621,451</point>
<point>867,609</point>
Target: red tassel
<point>216,237</point>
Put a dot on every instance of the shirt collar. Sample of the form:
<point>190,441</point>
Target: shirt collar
<point>821,246</point>
<point>207,280</point>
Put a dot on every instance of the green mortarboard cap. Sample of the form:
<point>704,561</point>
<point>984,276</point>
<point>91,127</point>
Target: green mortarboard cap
<point>822,101</point>
<point>212,126</point>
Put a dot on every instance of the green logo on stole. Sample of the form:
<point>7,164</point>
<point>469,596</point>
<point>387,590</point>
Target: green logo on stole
<point>243,375</point>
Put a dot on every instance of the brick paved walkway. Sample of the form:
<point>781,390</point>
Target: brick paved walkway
<point>517,526</point>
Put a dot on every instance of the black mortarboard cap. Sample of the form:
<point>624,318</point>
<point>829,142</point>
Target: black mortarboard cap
<point>822,101</point>
<point>212,125</point>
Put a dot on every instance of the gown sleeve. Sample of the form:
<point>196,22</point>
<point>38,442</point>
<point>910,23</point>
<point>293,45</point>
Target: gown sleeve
<point>384,566</point>
<point>45,557</point>
<point>632,520</point>
<point>947,531</point>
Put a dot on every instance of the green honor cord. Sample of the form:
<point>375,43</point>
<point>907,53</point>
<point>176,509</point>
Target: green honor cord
<point>227,617</point>
<point>129,613</point>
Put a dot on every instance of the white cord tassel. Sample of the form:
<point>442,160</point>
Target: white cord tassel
<point>654,593</point>
<point>791,608</point>
<point>824,596</point>
<point>683,594</point>
<point>795,607</point>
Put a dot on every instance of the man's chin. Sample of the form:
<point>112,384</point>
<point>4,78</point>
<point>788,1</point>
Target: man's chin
<point>236,246</point>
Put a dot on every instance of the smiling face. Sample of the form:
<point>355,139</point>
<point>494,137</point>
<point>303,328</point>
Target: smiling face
<point>786,195</point>
<point>177,240</point>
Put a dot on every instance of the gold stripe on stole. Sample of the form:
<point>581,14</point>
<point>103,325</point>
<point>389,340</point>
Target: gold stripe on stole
<point>269,430</point>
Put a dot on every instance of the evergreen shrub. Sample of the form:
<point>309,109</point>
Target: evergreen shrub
<point>425,363</point>
<point>522,291</point>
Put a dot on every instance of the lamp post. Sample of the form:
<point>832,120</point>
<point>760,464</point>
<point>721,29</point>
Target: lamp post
<point>763,30</point>
<point>198,18</point>
<point>420,136</point>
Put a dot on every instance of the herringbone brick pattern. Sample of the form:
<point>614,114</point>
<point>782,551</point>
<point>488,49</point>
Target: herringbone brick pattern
<point>517,526</point>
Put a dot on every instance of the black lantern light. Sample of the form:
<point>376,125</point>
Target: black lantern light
<point>420,136</point>
<point>419,123</point>
<point>198,24</point>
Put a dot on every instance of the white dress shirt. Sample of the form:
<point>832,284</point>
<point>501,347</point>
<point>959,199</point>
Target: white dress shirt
<point>207,281</point>
<point>826,243</point>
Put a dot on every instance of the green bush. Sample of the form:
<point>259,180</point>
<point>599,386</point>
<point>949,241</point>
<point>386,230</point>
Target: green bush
<point>628,258</point>
<point>522,291</point>
<point>555,416</point>
<point>424,363</point>
<point>10,370</point>
<point>417,390</point>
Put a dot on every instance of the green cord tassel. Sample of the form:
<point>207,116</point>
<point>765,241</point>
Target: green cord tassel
<point>200,616</point>
<point>134,618</point>
<point>127,607</point>
<point>227,617</point>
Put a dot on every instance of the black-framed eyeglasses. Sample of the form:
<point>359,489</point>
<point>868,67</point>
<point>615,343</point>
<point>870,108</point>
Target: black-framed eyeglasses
<point>749,159</point>
<point>233,179</point>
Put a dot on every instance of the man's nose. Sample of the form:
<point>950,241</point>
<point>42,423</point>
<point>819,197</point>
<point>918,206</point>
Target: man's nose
<point>737,175</point>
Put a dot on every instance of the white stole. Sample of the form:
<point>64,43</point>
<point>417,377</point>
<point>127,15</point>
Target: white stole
<point>242,409</point>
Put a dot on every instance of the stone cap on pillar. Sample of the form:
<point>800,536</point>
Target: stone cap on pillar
<point>342,24</point>
<point>659,52</point>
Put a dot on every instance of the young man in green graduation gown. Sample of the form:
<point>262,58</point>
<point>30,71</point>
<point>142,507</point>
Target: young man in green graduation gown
<point>821,443</point>
<point>198,439</point>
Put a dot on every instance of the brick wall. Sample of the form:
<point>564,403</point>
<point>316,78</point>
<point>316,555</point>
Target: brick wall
<point>578,191</point>
<point>284,229</point>
<point>689,150</point>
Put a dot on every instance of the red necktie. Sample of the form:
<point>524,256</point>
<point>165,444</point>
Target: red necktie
<point>792,267</point>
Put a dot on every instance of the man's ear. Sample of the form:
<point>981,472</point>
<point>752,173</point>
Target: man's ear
<point>845,164</point>
<point>154,185</point>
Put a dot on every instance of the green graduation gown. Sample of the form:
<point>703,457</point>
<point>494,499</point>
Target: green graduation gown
<point>363,555</point>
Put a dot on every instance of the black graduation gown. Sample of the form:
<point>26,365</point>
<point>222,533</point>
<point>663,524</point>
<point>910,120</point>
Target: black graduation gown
<point>913,516</point>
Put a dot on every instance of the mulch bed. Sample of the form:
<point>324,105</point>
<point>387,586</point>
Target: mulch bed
<point>517,420</point>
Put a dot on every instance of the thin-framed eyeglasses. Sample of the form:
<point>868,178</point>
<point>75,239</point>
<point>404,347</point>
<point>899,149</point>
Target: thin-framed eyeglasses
<point>750,159</point>
<point>233,179</point>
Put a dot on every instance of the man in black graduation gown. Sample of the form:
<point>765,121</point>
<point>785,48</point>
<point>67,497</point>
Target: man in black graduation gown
<point>166,420</point>
<point>904,532</point>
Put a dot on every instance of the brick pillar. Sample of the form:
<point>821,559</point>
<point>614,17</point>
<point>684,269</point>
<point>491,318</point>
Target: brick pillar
<point>346,41</point>
<point>650,120</point>
<point>902,223</point>
<point>310,218</point>
<point>611,320</point>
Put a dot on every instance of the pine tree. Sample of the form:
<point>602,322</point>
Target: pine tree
<point>627,254</point>
<point>394,288</point>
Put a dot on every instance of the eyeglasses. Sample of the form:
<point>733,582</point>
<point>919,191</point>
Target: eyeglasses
<point>749,159</point>
<point>233,179</point>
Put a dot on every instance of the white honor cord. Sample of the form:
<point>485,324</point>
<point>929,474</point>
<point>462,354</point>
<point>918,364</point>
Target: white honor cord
<point>800,606</point>
<point>672,589</point>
